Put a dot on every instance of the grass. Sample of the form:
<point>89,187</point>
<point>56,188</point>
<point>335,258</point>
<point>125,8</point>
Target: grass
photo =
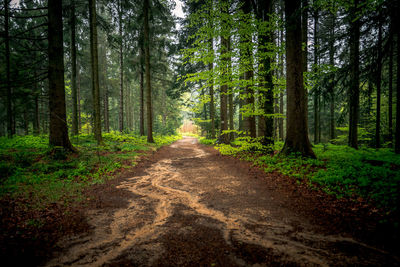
<point>369,174</point>
<point>28,169</point>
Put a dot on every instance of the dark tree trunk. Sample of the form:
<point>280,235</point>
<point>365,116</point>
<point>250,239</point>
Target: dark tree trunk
<point>316,86</point>
<point>247,58</point>
<point>95,72</point>
<point>26,120</point>
<point>105,93</point>
<point>121,71</point>
<point>354,90</point>
<point>58,119</point>
<point>241,103</point>
<point>141,122</point>
<point>211,70</point>
<point>10,128</point>
<point>304,37</point>
<point>264,12</point>
<point>230,94</point>
<point>331,90</point>
<point>397,31</point>
<point>281,120</point>
<point>36,116</point>
<point>147,64</point>
<point>297,129</point>
<point>72,23</point>
<point>212,105</point>
<point>78,93</point>
<point>390,89</point>
<point>378,88</point>
<point>224,138</point>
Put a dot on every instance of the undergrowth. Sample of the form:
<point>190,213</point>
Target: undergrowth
<point>368,174</point>
<point>29,169</point>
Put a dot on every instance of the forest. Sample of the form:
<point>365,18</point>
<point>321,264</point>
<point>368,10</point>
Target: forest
<point>301,95</point>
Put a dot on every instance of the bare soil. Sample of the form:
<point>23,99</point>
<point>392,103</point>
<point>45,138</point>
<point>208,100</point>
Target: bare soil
<point>186,205</point>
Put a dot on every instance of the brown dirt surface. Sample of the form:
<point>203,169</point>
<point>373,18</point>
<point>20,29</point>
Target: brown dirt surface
<point>186,205</point>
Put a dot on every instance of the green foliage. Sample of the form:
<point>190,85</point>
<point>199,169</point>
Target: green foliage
<point>31,170</point>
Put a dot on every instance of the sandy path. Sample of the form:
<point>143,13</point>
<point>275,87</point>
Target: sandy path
<point>191,208</point>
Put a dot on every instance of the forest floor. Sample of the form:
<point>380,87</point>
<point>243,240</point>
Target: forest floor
<point>187,205</point>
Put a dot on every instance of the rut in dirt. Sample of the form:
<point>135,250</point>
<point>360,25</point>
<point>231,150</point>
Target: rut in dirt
<point>192,206</point>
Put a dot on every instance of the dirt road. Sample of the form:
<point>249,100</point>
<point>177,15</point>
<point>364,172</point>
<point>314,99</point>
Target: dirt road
<point>190,206</point>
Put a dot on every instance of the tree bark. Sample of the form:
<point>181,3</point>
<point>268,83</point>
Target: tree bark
<point>397,31</point>
<point>36,116</point>
<point>105,93</point>
<point>95,72</point>
<point>147,64</point>
<point>212,105</point>
<point>121,71</point>
<point>304,37</point>
<point>230,94</point>
<point>354,90</point>
<point>10,128</point>
<point>58,120</point>
<point>390,89</point>
<point>281,73</point>
<point>72,26</point>
<point>316,86</point>
<point>246,56</point>
<point>331,90</point>
<point>78,94</point>
<point>224,138</point>
<point>378,87</point>
<point>265,10</point>
<point>297,129</point>
<point>141,126</point>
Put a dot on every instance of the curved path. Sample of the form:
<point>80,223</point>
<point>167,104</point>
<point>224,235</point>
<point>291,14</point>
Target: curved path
<point>192,207</point>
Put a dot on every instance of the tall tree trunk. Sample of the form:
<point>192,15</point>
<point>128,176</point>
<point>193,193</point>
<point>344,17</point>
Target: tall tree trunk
<point>281,73</point>
<point>105,93</point>
<point>297,129</point>
<point>331,89</point>
<point>211,71</point>
<point>246,56</point>
<point>26,120</point>
<point>141,122</point>
<point>378,87</point>
<point>72,23</point>
<point>10,128</point>
<point>58,119</point>
<point>121,71</point>
<point>354,90</point>
<point>224,138</point>
<point>147,64</point>
<point>316,86</point>
<point>78,96</point>
<point>212,105</point>
<point>95,72</point>
<point>241,103</point>
<point>304,37</point>
<point>264,12</point>
<point>36,116</point>
<point>230,94</point>
<point>397,31</point>
<point>390,89</point>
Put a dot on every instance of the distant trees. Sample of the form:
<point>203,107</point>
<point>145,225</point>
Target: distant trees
<point>233,64</point>
<point>347,70</point>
